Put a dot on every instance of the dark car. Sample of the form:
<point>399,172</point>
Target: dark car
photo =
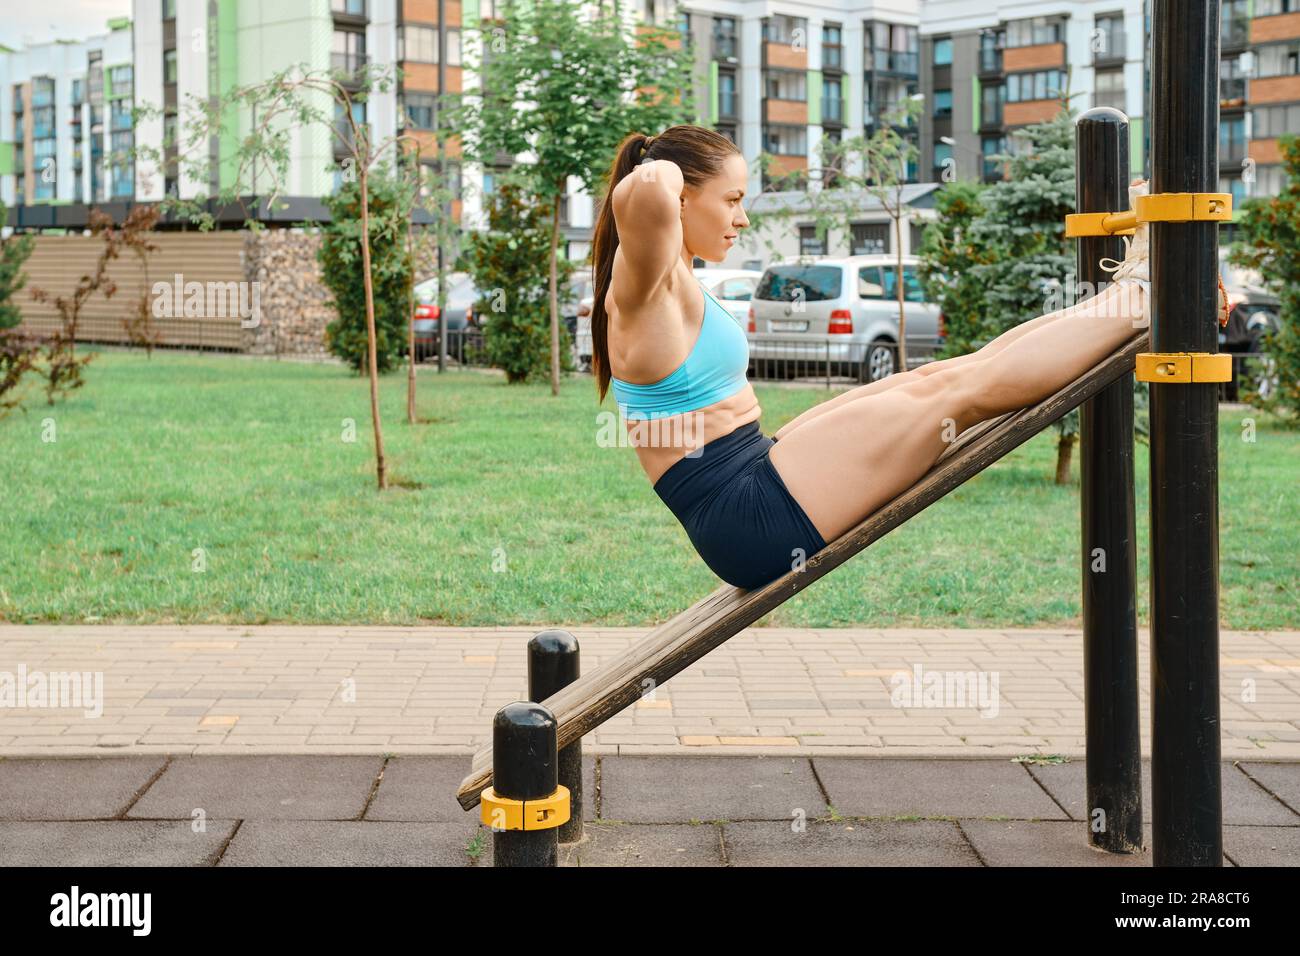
<point>1254,311</point>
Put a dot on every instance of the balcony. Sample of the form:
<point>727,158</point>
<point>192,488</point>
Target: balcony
<point>1234,33</point>
<point>894,61</point>
<point>349,64</point>
<point>1232,91</point>
<point>724,46</point>
<point>832,110</point>
<point>1115,44</point>
<point>990,61</point>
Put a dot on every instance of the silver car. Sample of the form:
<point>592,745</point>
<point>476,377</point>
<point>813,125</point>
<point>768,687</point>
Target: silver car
<point>842,311</point>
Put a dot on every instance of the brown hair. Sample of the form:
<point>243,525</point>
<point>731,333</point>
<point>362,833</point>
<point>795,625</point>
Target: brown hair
<point>700,153</point>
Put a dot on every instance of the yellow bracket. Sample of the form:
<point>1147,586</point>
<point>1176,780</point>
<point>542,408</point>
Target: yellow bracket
<point>1172,367</point>
<point>503,813</point>
<point>1162,207</point>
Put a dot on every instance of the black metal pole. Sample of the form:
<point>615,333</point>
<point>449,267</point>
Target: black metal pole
<point>524,767</point>
<point>1187,811</point>
<point>553,664</point>
<point>1108,522</point>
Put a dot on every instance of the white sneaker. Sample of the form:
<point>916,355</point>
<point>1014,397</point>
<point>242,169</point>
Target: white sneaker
<point>1136,267</point>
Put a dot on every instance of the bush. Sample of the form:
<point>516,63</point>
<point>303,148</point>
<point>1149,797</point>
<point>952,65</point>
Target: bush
<point>509,263</point>
<point>390,265</point>
<point>1270,231</point>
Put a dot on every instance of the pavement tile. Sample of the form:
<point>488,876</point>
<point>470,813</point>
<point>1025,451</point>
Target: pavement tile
<point>842,843</point>
<point>116,843</point>
<point>302,843</point>
<point>675,789</point>
<point>87,788</point>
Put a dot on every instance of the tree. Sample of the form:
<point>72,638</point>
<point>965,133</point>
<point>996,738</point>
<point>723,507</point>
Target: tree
<point>14,252</point>
<point>278,107</point>
<point>948,257</point>
<point>342,270</point>
<point>505,256</point>
<point>556,82</point>
<point>1269,230</point>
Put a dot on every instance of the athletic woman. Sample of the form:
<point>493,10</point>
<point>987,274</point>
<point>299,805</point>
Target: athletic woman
<point>756,507</point>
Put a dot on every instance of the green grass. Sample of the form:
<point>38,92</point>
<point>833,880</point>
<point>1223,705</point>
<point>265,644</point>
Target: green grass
<point>244,459</point>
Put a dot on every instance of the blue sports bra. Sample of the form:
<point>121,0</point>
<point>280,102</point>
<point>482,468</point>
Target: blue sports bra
<point>714,370</point>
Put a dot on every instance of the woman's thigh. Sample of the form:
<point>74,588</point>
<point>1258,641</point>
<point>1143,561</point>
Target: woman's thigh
<point>847,463</point>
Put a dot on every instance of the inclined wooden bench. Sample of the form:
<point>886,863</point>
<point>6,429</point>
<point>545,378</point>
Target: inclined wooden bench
<point>673,646</point>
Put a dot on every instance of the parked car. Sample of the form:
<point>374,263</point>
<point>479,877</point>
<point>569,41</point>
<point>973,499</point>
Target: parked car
<point>734,288</point>
<point>1254,311</point>
<point>842,311</point>
<point>460,310</point>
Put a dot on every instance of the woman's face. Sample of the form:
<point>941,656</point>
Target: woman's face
<point>714,214</point>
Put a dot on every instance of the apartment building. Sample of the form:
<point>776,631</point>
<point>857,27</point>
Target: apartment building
<point>66,130</point>
<point>991,68</point>
<point>65,108</point>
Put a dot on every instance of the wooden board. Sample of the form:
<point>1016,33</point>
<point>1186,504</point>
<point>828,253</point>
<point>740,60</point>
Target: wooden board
<point>676,644</point>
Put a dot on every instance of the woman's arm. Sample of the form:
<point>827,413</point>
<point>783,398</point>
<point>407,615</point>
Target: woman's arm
<point>647,209</point>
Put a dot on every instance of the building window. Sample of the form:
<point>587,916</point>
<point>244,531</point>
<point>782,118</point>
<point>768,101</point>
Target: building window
<point>1110,89</point>
<point>726,93</point>
<point>787,85</point>
<point>785,140</point>
<point>42,91</point>
<point>1108,38</point>
<point>1033,31</point>
<point>810,244</point>
<point>892,47</point>
<point>942,159</point>
<point>724,38</point>
<point>991,100</point>
<point>169,9</point>
<point>120,115</point>
<point>832,51</point>
<point>1269,8</point>
<point>991,45</point>
<point>120,80</point>
<point>349,51</point>
<point>419,109</point>
<point>1271,121</point>
<point>832,104</point>
<point>169,66</point>
<point>991,147</point>
<point>42,122</point>
<point>1278,59</point>
<point>355,8</point>
<point>1232,82</point>
<point>942,103</point>
<point>1232,140</point>
<point>1039,85</point>
<point>781,28</point>
<point>420,45</point>
<point>943,52</point>
<point>868,239</point>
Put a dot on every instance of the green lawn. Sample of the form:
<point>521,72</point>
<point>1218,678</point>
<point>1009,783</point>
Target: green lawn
<point>510,513</point>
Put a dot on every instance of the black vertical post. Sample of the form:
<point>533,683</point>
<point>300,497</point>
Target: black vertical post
<point>1108,522</point>
<point>524,767</point>
<point>1187,811</point>
<point>553,664</point>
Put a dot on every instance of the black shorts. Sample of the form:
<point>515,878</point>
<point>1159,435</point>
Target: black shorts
<point>738,512</point>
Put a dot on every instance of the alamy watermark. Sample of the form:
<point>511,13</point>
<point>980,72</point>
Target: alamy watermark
<point>208,300</point>
<point>674,431</point>
<point>53,689</point>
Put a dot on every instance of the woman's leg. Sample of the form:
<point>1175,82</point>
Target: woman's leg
<point>846,464</point>
<point>986,351</point>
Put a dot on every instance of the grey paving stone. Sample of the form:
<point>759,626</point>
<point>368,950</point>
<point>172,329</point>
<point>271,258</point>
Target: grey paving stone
<point>113,843</point>
<point>1280,779</point>
<point>72,788</point>
<point>644,844</point>
<point>1044,843</point>
<point>274,787</point>
<point>1262,846</point>
<point>306,843</point>
<point>424,788</point>
<point>680,789</point>
<point>876,787</point>
<point>1245,803</point>
<point>870,843</point>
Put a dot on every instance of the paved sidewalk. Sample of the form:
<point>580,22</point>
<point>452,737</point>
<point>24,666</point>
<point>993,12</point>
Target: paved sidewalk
<point>640,811</point>
<point>212,690</point>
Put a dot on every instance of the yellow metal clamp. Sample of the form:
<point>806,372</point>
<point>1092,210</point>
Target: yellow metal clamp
<point>503,813</point>
<point>1162,207</point>
<point>1170,367</point>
